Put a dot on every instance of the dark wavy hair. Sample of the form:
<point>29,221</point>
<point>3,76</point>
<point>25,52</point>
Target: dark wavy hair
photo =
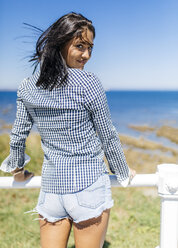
<point>53,68</point>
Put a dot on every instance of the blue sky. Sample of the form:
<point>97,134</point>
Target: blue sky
<point>136,44</point>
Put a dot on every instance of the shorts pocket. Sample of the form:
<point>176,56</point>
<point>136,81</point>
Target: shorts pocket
<point>41,198</point>
<point>91,198</point>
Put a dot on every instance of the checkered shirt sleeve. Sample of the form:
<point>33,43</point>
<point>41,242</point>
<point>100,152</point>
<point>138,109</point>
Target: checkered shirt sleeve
<point>96,102</point>
<point>21,129</point>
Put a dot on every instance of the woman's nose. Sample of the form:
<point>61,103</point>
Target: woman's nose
<point>86,54</point>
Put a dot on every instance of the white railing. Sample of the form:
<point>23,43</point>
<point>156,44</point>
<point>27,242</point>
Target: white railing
<point>165,179</point>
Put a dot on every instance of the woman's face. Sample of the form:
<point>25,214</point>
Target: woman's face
<point>78,50</point>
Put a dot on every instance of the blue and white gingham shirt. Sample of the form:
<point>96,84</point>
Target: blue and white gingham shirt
<point>76,131</point>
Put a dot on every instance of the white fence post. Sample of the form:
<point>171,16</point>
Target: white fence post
<point>168,191</point>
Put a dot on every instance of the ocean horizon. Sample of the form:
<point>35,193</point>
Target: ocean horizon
<point>154,108</point>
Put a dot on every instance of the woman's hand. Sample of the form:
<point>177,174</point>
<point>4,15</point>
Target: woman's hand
<point>132,174</point>
<point>21,175</point>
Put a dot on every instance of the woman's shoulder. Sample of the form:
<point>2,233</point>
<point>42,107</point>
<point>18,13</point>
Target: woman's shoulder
<point>81,73</point>
<point>84,78</point>
<point>28,83</point>
<point>89,82</point>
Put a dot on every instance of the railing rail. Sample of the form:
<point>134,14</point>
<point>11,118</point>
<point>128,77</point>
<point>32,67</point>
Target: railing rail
<point>165,179</point>
<point>140,180</point>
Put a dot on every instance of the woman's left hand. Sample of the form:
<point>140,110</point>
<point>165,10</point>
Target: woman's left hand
<point>21,175</point>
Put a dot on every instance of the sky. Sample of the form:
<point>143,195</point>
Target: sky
<point>136,44</point>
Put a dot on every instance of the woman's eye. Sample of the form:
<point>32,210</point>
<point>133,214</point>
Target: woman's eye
<point>90,49</point>
<point>80,46</point>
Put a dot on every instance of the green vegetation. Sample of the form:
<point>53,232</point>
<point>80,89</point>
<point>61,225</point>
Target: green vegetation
<point>135,217</point>
<point>134,221</point>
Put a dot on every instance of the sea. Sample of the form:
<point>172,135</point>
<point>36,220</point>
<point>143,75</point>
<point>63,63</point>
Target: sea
<point>152,108</point>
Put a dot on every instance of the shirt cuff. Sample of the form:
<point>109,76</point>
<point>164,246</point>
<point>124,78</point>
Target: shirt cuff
<point>6,164</point>
<point>124,183</point>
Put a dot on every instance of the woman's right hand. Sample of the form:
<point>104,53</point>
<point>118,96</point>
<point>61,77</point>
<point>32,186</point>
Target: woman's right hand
<point>21,175</point>
<point>132,174</point>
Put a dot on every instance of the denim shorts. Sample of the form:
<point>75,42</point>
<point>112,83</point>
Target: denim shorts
<point>80,206</point>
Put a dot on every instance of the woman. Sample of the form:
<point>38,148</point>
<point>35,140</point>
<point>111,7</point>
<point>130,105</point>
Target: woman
<point>70,109</point>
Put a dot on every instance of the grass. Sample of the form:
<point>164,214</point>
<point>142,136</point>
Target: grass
<point>135,217</point>
<point>134,220</point>
<point>16,228</point>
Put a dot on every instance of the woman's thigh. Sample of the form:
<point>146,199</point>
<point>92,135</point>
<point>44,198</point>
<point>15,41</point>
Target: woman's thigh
<point>91,233</point>
<point>55,235</point>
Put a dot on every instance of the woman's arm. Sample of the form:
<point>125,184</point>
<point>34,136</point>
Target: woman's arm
<point>97,104</point>
<point>23,123</point>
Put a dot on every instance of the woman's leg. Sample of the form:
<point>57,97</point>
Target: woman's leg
<point>55,235</point>
<point>91,233</point>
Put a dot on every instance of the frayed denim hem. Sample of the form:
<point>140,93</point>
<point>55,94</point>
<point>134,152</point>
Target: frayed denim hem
<point>53,219</point>
<point>44,217</point>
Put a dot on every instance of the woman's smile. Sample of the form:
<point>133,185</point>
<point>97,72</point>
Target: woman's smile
<point>83,62</point>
